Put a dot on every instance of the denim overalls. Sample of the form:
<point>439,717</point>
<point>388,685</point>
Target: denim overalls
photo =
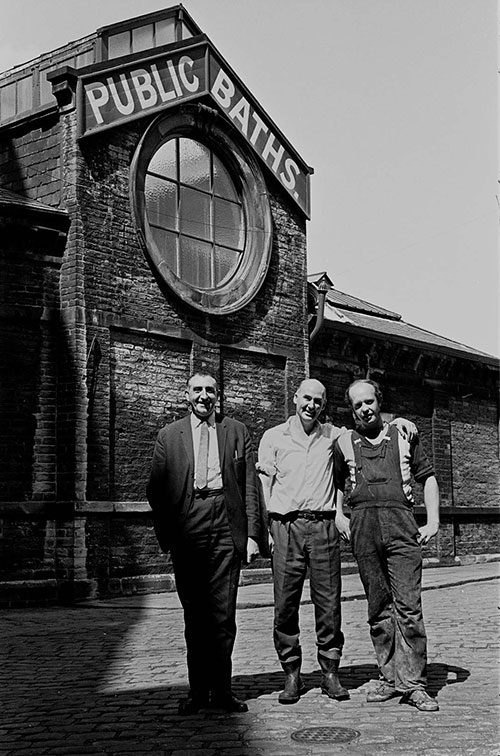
<point>384,540</point>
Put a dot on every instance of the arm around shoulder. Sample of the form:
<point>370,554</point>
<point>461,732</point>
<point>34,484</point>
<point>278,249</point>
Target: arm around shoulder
<point>406,428</point>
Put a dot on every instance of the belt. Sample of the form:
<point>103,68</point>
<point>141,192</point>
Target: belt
<point>302,514</point>
<point>204,493</point>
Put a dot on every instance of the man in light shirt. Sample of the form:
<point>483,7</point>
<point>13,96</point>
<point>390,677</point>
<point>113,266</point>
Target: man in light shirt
<point>203,493</point>
<point>295,465</point>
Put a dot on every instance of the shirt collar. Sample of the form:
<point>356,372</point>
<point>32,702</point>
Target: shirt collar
<point>295,426</point>
<point>196,421</point>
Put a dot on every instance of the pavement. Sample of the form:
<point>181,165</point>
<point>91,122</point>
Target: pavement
<point>104,679</point>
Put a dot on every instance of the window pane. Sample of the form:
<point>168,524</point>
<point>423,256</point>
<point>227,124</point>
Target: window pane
<point>195,164</point>
<point>142,38</point>
<point>228,224</point>
<point>161,202</point>
<point>24,94</point>
<point>195,262</point>
<point>195,213</point>
<point>119,44</point>
<point>163,161</point>
<point>226,262</point>
<point>165,32</point>
<point>8,101</point>
<point>222,181</point>
<point>167,247</point>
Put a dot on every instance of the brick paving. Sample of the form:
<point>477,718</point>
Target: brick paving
<point>104,679</point>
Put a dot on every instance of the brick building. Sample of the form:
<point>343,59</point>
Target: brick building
<point>153,222</point>
<point>448,389</point>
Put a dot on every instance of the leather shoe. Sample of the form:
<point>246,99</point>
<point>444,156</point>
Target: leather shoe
<point>382,691</point>
<point>421,700</point>
<point>229,703</point>
<point>192,705</point>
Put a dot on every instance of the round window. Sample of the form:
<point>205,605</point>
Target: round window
<point>202,210</point>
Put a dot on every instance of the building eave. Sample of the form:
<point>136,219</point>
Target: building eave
<point>487,360</point>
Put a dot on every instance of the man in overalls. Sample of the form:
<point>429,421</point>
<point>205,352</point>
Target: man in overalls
<point>386,540</point>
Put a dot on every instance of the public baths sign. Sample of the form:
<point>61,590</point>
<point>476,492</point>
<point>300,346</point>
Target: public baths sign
<point>115,92</point>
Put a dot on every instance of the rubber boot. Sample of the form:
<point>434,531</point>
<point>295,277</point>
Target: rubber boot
<point>293,684</point>
<point>330,683</point>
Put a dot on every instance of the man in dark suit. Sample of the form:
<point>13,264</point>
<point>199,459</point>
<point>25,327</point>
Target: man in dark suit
<point>203,493</point>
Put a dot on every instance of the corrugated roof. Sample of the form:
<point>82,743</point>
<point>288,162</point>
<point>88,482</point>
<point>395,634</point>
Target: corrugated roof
<point>347,302</point>
<point>398,329</point>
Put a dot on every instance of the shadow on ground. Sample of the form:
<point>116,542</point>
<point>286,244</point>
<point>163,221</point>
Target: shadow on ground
<point>351,677</point>
<point>63,693</point>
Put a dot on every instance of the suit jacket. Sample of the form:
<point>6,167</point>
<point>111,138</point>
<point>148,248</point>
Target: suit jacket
<point>171,483</point>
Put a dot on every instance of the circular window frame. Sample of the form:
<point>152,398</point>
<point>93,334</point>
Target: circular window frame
<point>204,125</point>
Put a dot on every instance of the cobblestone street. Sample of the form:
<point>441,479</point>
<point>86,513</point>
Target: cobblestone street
<point>105,679</point>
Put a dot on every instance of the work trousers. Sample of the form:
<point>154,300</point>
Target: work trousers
<point>384,541</point>
<point>207,569</point>
<point>299,545</point>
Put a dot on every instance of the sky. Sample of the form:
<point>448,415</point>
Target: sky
<point>394,105</point>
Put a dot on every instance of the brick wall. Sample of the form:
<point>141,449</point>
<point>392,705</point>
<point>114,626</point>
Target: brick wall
<point>30,160</point>
<point>474,446</point>
<point>142,343</point>
<point>455,406</point>
<point>147,390</point>
<point>254,390</point>
<point>28,385</point>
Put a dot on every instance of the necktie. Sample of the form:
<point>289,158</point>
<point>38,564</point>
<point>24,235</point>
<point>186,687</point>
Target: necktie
<point>202,465</point>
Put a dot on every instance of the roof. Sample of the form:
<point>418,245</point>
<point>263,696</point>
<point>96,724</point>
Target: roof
<point>350,313</point>
<point>11,200</point>
<point>31,212</point>
<point>340,299</point>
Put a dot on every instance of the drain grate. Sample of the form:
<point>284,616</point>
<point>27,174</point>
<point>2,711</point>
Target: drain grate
<point>325,735</point>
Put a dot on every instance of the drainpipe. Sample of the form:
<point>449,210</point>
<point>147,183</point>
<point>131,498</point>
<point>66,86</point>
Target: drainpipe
<point>323,289</point>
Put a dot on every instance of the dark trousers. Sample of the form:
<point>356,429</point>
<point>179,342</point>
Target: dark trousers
<point>384,541</point>
<point>298,545</point>
<point>207,568</point>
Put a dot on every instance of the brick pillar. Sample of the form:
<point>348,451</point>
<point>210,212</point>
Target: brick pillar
<point>72,387</point>
<point>442,459</point>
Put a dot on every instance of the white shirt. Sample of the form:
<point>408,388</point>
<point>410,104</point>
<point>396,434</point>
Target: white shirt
<point>298,466</point>
<point>214,473</point>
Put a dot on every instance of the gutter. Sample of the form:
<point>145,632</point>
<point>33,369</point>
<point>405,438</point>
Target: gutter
<point>323,288</point>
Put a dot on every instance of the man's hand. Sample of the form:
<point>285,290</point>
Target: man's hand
<point>343,526</point>
<point>426,532</point>
<point>406,428</point>
<point>271,544</point>
<point>252,550</point>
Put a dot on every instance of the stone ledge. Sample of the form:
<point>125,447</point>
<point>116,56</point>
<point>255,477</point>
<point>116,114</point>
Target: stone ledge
<point>31,593</point>
<point>24,593</point>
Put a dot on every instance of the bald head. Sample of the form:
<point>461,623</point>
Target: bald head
<point>311,384</point>
<point>309,400</point>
